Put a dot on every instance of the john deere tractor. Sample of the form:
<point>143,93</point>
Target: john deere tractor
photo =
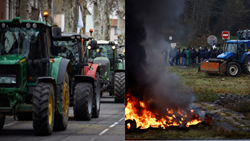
<point>112,67</point>
<point>34,85</point>
<point>235,60</point>
<point>84,79</point>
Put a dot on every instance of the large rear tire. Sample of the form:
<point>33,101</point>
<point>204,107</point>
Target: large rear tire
<point>119,87</point>
<point>246,65</point>
<point>61,120</point>
<point>83,101</point>
<point>233,69</point>
<point>2,120</point>
<point>43,109</point>
<point>97,97</point>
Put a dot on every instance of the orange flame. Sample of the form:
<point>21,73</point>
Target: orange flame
<point>137,110</point>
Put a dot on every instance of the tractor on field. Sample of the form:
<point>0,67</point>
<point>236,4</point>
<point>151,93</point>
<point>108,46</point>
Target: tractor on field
<point>235,60</point>
<point>84,80</point>
<point>34,85</point>
<point>112,67</point>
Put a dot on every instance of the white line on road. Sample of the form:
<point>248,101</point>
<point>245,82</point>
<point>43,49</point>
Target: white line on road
<point>113,124</point>
<point>9,124</point>
<point>103,132</point>
<point>121,119</point>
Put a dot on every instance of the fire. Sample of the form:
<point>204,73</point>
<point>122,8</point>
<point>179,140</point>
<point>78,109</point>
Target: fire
<point>145,118</point>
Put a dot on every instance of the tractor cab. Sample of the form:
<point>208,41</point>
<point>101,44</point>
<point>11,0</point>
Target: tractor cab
<point>235,50</point>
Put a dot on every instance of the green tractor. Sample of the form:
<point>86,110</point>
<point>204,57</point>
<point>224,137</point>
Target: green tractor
<point>112,67</point>
<point>34,85</point>
<point>84,79</point>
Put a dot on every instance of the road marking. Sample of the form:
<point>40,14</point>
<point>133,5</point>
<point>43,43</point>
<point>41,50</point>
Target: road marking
<point>113,124</point>
<point>9,124</point>
<point>103,131</point>
<point>121,119</point>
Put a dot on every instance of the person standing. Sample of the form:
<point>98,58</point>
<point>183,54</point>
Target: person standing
<point>171,56</point>
<point>188,56</point>
<point>177,57</point>
<point>206,54</point>
<point>164,55</point>
<point>198,54</point>
<point>202,55</point>
<point>214,46</point>
<point>246,34</point>
<point>239,34</point>
<point>183,58</point>
<point>220,51</point>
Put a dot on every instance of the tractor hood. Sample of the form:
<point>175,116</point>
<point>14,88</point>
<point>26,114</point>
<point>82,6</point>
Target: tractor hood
<point>10,59</point>
<point>225,55</point>
<point>103,63</point>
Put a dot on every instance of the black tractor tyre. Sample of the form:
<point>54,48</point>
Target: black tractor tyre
<point>83,101</point>
<point>61,120</point>
<point>97,97</point>
<point>24,116</point>
<point>233,69</point>
<point>43,108</point>
<point>246,65</point>
<point>2,120</point>
<point>119,87</point>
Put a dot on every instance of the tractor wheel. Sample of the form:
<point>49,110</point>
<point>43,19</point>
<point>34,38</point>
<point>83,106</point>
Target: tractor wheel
<point>233,69</point>
<point>61,120</point>
<point>83,101</point>
<point>24,116</point>
<point>2,119</point>
<point>97,98</point>
<point>43,109</point>
<point>119,87</point>
<point>246,65</point>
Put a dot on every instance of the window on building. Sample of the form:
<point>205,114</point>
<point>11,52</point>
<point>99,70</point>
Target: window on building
<point>116,31</point>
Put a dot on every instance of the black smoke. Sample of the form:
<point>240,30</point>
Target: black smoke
<point>149,23</point>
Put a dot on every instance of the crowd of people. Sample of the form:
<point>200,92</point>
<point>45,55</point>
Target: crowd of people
<point>189,56</point>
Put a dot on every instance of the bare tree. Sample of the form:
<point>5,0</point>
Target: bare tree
<point>97,19</point>
<point>25,9</point>
<point>83,4</point>
<point>71,15</point>
<point>120,23</point>
<point>106,20</point>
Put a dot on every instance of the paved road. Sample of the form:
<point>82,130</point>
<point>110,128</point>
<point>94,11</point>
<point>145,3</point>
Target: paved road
<point>110,126</point>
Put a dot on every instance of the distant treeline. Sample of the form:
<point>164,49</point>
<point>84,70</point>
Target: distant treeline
<point>213,16</point>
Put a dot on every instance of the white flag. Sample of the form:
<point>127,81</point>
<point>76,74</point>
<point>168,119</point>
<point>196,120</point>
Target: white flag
<point>80,23</point>
<point>40,17</point>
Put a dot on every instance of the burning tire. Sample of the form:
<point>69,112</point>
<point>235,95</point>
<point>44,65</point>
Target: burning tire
<point>233,69</point>
<point>43,109</point>
<point>61,120</point>
<point>246,65</point>
<point>97,98</point>
<point>2,120</point>
<point>119,87</point>
<point>130,126</point>
<point>83,101</point>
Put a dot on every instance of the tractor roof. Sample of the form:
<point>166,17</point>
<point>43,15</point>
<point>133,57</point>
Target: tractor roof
<point>74,34</point>
<point>239,41</point>
<point>17,20</point>
<point>103,42</point>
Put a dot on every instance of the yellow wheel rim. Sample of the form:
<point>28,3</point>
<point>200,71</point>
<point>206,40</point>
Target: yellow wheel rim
<point>50,109</point>
<point>65,99</point>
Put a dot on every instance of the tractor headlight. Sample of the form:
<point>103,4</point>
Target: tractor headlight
<point>34,25</point>
<point>3,25</point>
<point>113,47</point>
<point>90,60</point>
<point>28,25</point>
<point>89,47</point>
<point>8,80</point>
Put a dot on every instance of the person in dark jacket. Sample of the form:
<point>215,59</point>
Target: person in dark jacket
<point>183,58</point>
<point>219,51</point>
<point>188,56</point>
<point>202,54</point>
<point>194,56</point>
<point>206,54</point>
<point>198,54</point>
<point>178,53</point>
<point>171,56</point>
